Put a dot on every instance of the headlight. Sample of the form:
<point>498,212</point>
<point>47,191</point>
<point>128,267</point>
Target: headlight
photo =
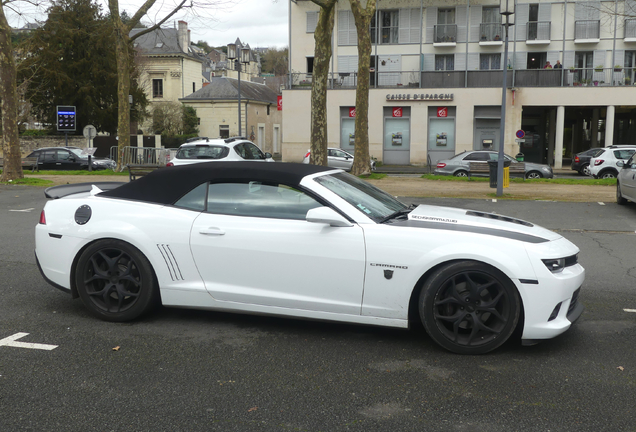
<point>558,264</point>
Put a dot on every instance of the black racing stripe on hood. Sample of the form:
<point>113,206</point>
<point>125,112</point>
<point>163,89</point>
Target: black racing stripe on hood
<point>527,238</point>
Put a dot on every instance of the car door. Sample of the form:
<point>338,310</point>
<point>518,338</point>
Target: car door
<point>66,160</point>
<point>339,159</point>
<point>254,246</point>
<point>480,157</point>
<point>47,160</point>
<point>627,179</point>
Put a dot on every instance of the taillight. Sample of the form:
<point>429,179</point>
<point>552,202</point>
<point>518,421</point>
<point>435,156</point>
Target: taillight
<point>598,162</point>
<point>308,154</point>
<point>441,164</point>
<point>42,218</point>
<point>576,159</point>
<point>169,164</point>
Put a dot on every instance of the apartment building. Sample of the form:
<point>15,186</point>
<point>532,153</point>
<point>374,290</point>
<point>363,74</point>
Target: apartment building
<point>437,73</point>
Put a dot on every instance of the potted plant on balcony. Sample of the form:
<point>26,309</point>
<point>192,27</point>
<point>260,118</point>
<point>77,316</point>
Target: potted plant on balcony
<point>628,81</point>
<point>595,82</point>
<point>598,68</point>
<point>618,68</point>
<point>572,69</point>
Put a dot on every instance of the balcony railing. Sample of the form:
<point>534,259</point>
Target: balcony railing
<point>445,33</point>
<point>491,32</point>
<point>538,30</point>
<point>587,29</point>
<point>573,77</point>
<point>630,28</point>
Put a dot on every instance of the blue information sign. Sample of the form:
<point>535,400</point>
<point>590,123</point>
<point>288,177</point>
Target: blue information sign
<point>66,118</point>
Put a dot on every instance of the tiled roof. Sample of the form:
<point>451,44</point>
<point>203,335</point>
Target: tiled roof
<point>224,88</point>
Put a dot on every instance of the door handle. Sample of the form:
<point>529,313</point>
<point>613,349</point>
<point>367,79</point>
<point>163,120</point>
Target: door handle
<point>212,231</point>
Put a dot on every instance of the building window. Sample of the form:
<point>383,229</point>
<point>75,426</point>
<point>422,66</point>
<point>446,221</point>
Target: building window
<point>445,29</point>
<point>157,88</point>
<point>267,109</point>
<point>224,131</point>
<point>194,87</point>
<point>389,24</point>
<point>445,62</point>
<point>199,121</point>
<point>489,61</point>
<point>310,65</point>
<point>491,29</point>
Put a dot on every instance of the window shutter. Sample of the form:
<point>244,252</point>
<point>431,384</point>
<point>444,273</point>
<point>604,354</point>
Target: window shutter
<point>522,14</point>
<point>404,30</point>
<point>619,58</point>
<point>473,61</point>
<point>568,59</point>
<point>521,60</point>
<point>599,58</point>
<point>475,20</point>
<point>462,23</point>
<point>343,27</point>
<point>312,21</point>
<point>429,62</point>
<point>460,61</point>
<point>353,33</point>
<point>431,20</point>
<point>416,23</point>
<point>545,11</point>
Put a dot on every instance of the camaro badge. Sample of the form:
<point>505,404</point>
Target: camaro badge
<point>388,274</point>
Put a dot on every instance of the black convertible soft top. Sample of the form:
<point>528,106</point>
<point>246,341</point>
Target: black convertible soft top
<point>167,185</point>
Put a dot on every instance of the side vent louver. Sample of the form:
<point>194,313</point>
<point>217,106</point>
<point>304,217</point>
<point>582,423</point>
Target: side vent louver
<point>498,217</point>
<point>171,262</point>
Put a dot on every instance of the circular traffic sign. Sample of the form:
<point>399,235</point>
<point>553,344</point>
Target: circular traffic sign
<point>520,133</point>
<point>90,132</point>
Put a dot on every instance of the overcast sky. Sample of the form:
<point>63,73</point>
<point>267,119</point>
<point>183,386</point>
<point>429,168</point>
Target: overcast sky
<point>261,23</point>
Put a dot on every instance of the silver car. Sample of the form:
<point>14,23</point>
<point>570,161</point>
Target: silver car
<point>338,158</point>
<point>626,181</point>
<point>458,165</point>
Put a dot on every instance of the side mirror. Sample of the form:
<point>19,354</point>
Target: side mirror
<point>620,164</point>
<point>268,155</point>
<point>72,158</point>
<point>326,215</point>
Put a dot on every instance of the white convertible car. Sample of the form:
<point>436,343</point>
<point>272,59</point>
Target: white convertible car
<point>308,242</point>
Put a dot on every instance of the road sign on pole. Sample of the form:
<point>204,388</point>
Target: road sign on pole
<point>66,116</point>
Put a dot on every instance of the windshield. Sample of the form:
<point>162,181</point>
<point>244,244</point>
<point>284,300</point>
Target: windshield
<point>368,199</point>
<point>76,152</point>
<point>202,152</point>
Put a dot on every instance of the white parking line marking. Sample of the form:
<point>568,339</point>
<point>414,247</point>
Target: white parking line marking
<point>630,310</point>
<point>25,210</point>
<point>601,203</point>
<point>11,341</point>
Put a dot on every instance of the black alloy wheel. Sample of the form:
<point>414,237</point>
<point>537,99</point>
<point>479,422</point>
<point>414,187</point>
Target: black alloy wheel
<point>115,281</point>
<point>469,307</point>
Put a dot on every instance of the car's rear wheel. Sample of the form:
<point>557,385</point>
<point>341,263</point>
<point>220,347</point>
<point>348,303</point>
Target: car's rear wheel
<point>585,170</point>
<point>534,175</point>
<point>619,196</point>
<point>608,174</point>
<point>115,281</point>
<point>461,173</point>
<point>469,307</point>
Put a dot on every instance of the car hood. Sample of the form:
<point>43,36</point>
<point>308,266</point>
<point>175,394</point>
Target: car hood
<point>477,222</point>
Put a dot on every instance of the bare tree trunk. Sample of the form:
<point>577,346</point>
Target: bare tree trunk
<point>322,56</point>
<point>362,17</point>
<point>123,89</point>
<point>12,169</point>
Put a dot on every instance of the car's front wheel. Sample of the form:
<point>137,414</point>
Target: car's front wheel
<point>115,281</point>
<point>619,196</point>
<point>461,173</point>
<point>469,307</point>
<point>534,175</point>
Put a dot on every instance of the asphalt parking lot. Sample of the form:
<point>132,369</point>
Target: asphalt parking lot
<point>184,370</point>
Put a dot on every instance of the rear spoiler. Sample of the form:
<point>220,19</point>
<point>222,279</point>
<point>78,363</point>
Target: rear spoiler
<point>61,191</point>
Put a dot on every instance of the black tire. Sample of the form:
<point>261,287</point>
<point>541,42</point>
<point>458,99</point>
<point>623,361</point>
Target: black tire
<point>585,170</point>
<point>607,174</point>
<point>463,293</point>
<point>115,281</point>
<point>533,175</point>
<point>461,173</point>
<point>619,196</point>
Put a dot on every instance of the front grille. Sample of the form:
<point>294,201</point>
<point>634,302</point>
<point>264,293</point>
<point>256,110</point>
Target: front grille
<point>574,301</point>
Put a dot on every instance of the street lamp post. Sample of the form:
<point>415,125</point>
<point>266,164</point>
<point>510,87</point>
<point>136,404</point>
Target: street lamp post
<point>506,9</point>
<point>239,57</point>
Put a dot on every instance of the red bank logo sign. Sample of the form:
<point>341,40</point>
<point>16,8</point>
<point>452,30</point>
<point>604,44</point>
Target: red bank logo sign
<point>397,112</point>
<point>442,112</point>
<point>352,112</point>
<point>280,103</point>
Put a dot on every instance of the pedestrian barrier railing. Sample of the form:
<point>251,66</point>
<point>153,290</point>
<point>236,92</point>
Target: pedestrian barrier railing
<point>140,156</point>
